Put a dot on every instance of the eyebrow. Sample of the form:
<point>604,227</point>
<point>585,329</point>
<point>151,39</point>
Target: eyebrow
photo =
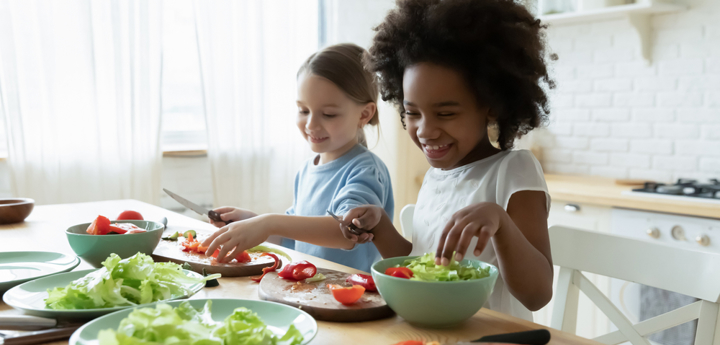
<point>436,105</point>
<point>330,105</point>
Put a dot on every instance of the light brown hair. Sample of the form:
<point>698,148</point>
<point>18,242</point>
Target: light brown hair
<point>342,64</point>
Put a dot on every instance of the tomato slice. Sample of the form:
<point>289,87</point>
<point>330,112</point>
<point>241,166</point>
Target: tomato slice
<point>298,271</point>
<point>100,226</point>
<point>410,342</point>
<point>399,272</point>
<point>125,228</point>
<point>363,280</point>
<point>346,295</point>
<point>243,257</point>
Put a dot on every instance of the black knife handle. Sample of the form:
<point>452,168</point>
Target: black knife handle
<point>535,337</point>
<point>216,217</point>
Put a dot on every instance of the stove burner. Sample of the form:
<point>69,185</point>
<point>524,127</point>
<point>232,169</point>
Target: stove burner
<point>685,187</point>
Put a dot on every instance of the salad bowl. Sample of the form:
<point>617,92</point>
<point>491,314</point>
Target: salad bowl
<point>96,248</point>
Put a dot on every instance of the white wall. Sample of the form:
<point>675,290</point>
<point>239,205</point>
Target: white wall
<point>614,116</point>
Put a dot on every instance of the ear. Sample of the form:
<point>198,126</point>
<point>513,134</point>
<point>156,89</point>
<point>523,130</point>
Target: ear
<point>367,113</point>
<point>490,115</point>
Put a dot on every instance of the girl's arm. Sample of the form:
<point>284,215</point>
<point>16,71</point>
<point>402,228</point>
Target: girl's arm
<point>245,234</point>
<point>520,238</point>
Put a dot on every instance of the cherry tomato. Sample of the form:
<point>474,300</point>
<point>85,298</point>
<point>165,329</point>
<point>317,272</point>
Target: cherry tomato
<point>130,215</point>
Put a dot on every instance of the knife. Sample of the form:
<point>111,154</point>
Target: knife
<point>534,337</point>
<point>197,208</point>
<point>43,329</point>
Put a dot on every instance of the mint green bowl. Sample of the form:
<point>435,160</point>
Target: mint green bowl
<point>433,304</point>
<point>96,248</point>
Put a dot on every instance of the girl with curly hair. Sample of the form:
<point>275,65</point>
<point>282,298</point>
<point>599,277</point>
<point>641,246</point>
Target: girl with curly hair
<point>457,70</point>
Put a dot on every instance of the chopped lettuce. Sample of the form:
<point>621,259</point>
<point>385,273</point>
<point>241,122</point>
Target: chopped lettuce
<point>316,278</point>
<point>424,269</point>
<point>185,325</point>
<point>132,281</point>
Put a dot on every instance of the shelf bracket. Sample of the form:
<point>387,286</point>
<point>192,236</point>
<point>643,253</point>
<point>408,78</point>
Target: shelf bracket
<point>641,23</point>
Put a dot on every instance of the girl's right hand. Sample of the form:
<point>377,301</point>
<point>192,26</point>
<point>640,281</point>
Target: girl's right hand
<point>231,213</point>
<point>364,217</point>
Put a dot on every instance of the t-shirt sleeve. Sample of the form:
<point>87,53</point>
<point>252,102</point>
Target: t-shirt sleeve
<point>520,171</point>
<point>364,186</point>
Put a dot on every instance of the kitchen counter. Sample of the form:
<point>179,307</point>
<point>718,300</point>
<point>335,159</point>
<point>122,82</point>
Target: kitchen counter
<point>607,192</point>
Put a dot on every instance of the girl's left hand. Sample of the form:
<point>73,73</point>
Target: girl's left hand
<point>482,220</point>
<point>237,236</point>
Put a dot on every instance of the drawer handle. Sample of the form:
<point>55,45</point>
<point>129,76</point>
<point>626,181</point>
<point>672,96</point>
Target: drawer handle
<point>572,208</point>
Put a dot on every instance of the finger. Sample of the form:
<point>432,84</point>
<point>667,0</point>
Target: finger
<point>372,236</point>
<point>227,216</point>
<point>451,242</point>
<point>224,209</point>
<point>484,235</point>
<point>349,216</point>
<point>363,237</point>
<point>218,242</point>
<point>346,232</point>
<point>441,243</point>
<point>368,220</point>
<point>470,230</point>
<point>238,249</point>
<point>208,241</point>
<point>227,246</point>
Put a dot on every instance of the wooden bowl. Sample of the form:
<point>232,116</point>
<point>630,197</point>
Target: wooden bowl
<point>15,210</point>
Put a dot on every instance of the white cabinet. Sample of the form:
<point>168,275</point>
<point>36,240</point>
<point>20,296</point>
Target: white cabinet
<point>591,321</point>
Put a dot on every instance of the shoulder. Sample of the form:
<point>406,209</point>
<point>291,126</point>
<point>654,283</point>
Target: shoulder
<point>522,160</point>
<point>367,161</point>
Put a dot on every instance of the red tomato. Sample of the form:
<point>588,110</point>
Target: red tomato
<point>298,271</point>
<point>125,228</point>
<point>130,215</point>
<point>346,295</point>
<point>410,342</point>
<point>100,226</point>
<point>400,272</point>
<point>363,280</point>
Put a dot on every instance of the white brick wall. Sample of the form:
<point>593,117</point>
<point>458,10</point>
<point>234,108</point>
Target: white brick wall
<point>613,115</point>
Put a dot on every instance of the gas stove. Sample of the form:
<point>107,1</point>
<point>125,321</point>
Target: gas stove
<point>691,190</point>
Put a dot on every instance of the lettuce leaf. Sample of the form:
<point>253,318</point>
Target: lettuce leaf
<point>132,281</point>
<point>424,269</point>
<point>185,325</point>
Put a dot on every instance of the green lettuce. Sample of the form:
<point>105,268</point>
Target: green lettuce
<point>185,325</point>
<point>424,269</point>
<point>132,281</point>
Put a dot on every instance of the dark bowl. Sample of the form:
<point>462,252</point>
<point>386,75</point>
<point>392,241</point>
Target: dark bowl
<point>15,210</point>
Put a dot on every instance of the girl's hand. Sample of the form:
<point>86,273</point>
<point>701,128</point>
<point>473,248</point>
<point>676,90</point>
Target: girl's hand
<point>236,237</point>
<point>231,213</point>
<point>482,220</point>
<point>364,217</point>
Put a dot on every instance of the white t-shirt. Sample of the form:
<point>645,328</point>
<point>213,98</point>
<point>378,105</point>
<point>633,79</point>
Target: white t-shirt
<point>492,179</point>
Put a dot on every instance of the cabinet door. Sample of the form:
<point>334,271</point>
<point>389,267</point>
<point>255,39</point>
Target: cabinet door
<point>591,322</point>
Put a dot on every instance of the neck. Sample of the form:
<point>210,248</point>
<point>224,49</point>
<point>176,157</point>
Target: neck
<point>482,150</point>
<point>327,157</point>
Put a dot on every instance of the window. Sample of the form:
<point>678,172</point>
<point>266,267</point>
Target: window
<point>3,138</point>
<point>183,122</point>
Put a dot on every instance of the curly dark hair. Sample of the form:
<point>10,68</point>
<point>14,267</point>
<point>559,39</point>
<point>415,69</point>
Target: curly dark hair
<point>497,45</point>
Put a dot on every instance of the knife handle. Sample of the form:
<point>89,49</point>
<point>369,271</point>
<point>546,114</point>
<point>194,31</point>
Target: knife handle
<point>25,322</point>
<point>535,337</point>
<point>216,217</point>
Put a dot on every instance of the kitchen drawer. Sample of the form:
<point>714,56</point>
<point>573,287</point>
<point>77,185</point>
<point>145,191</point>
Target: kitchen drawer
<point>580,216</point>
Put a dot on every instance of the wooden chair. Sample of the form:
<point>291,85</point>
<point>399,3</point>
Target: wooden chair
<point>688,272</point>
<point>406,221</point>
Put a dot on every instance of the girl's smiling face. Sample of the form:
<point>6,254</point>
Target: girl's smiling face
<point>443,117</point>
<point>327,118</point>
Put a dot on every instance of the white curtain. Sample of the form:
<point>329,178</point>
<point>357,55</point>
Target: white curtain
<point>250,52</point>
<point>80,90</point>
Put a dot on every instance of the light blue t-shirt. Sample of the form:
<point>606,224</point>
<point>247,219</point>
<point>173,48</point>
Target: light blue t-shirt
<point>357,178</point>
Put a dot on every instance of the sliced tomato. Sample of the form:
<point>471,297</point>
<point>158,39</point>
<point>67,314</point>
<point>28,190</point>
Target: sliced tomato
<point>243,257</point>
<point>125,228</point>
<point>363,280</point>
<point>410,342</point>
<point>265,270</point>
<point>100,226</point>
<point>400,272</point>
<point>346,295</point>
<point>298,271</point>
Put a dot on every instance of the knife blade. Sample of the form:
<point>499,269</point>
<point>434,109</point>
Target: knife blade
<point>197,208</point>
<point>354,229</point>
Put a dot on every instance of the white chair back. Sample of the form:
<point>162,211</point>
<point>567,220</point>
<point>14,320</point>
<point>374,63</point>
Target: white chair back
<point>406,221</point>
<point>688,272</point>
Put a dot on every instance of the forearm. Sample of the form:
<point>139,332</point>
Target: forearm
<point>528,273</point>
<point>388,240</point>
<point>321,231</point>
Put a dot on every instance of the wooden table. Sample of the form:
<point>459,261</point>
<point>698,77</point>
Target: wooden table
<point>44,231</point>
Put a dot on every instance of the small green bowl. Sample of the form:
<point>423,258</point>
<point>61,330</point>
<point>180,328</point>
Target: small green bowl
<point>96,248</point>
<point>433,304</point>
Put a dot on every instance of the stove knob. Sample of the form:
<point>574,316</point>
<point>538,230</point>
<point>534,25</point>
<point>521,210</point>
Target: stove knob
<point>678,233</point>
<point>653,232</point>
<point>703,240</point>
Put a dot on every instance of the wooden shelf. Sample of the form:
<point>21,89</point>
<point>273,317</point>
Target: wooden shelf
<point>638,14</point>
<point>613,12</point>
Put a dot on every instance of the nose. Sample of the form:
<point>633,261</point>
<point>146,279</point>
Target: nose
<point>427,128</point>
<point>313,122</point>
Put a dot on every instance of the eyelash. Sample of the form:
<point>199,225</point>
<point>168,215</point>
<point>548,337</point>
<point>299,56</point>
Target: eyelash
<point>440,114</point>
<point>307,112</point>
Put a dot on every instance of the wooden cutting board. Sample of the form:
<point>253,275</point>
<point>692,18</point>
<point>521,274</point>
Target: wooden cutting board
<point>317,300</point>
<point>171,251</point>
